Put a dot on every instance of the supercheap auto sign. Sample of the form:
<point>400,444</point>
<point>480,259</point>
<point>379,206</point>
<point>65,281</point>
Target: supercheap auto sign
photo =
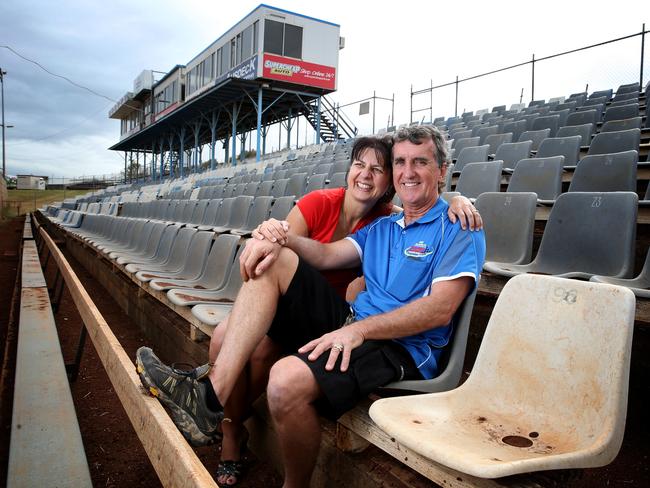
<point>299,72</point>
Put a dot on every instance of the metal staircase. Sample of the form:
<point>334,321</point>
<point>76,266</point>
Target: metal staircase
<point>334,124</point>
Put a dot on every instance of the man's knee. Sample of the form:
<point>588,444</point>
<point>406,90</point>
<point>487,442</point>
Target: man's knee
<point>291,385</point>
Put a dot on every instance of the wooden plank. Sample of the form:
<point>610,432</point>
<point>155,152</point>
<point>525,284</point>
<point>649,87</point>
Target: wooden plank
<point>171,456</point>
<point>44,427</point>
<point>31,272</point>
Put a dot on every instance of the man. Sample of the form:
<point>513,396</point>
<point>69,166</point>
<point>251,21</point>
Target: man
<point>418,268</point>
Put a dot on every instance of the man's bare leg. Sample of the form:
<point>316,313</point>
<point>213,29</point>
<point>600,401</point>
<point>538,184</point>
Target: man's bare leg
<point>291,392</point>
<point>250,319</point>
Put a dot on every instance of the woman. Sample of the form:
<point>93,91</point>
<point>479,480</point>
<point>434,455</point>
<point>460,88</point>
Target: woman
<point>326,216</point>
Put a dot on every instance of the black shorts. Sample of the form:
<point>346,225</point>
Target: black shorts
<point>311,308</point>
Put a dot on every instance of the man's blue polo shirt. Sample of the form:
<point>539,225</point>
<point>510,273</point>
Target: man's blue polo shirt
<point>401,262</point>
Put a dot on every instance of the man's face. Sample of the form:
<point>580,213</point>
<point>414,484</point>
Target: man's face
<point>416,173</point>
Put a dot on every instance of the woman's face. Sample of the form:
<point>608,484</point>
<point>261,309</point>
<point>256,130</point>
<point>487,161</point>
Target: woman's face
<point>368,178</point>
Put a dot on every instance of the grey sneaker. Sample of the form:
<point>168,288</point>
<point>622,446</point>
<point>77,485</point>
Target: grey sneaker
<point>184,396</point>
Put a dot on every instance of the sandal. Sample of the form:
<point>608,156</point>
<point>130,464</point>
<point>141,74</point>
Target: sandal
<point>230,469</point>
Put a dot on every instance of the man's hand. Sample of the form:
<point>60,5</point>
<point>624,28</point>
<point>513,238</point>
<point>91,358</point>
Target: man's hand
<point>273,230</point>
<point>339,342</point>
<point>257,257</point>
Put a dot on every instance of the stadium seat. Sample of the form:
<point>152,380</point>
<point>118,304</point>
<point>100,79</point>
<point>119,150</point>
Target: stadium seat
<point>582,117</point>
<point>526,406</point>
<point>460,133</point>
<point>170,261</point>
<point>640,285</point>
<point>517,128</point>
<point>547,122</point>
<point>258,213</point>
<point>536,136</point>
<point>606,172</point>
<point>563,114</point>
<point>585,131</point>
<point>631,96</point>
<point>281,207</point>
<point>540,175</point>
<point>623,124</point>
<point>452,359</point>
<point>477,178</point>
<point>215,271</point>
<point>159,244</point>
<point>296,185</point>
<point>279,187</point>
<point>210,214</point>
<point>460,144</point>
<point>569,147</point>
<point>509,224</point>
<point>241,207</point>
<point>316,182</point>
<point>265,189</point>
<point>337,180</point>
<point>621,112</point>
<point>474,154</point>
<point>586,234</point>
<point>495,140</point>
<point>629,88</point>
<point>606,94</point>
<point>513,152</point>
<point>619,141</point>
<point>482,132</point>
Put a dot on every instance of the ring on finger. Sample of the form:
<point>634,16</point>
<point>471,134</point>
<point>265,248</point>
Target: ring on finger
<point>338,347</point>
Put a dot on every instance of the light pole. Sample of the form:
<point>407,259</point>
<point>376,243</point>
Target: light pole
<point>2,101</point>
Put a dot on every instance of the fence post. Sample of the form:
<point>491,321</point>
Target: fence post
<point>532,89</point>
<point>411,115</point>
<point>374,101</point>
<point>456,105</point>
<point>642,56</point>
<point>431,101</point>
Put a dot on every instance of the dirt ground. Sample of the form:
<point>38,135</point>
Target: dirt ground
<point>115,455</point>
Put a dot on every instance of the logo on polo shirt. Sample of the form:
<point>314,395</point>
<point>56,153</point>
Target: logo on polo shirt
<point>418,250</point>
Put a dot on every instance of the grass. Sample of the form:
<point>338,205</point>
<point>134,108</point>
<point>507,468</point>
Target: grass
<point>20,202</point>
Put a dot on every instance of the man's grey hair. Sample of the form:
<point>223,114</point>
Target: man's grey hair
<point>418,134</point>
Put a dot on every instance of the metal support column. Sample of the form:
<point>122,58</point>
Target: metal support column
<point>154,161</point>
<point>258,155</point>
<point>289,124</point>
<point>532,81</point>
<point>172,171</point>
<point>456,105</point>
<point>197,157</point>
<point>234,134</point>
<point>181,152</point>
<point>318,140</point>
<point>162,161</point>
<point>125,158</point>
<point>642,56</point>
<point>374,103</point>
<point>213,139</point>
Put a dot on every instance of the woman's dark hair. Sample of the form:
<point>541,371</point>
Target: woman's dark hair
<point>383,147</point>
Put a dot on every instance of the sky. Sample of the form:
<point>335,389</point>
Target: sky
<point>62,130</point>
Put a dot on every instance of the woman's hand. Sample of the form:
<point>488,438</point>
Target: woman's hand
<point>273,230</point>
<point>462,209</point>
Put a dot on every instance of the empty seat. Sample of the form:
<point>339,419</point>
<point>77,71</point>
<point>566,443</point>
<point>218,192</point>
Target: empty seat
<point>540,175</point>
<point>241,207</point>
<point>606,172</point>
<point>586,234</point>
<point>536,136</point>
<point>460,144</point>
<point>551,122</point>
<point>210,214</point>
<point>569,147</point>
<point>265,189</point>
<point>640,284</point>
<point>461,133</point>
<point>585,131</point>
<point>517,128</point>
<point>509,224</point>
<point>623,124</point>
<point>526,405</point>
<point>631,96</point>
<point>281,207</point>
<point>619,141</point>
<point>606,94</point>
<point>337,180</point>
<point>471,155</point>
<point>258,213</point>
<point>563,114</point>
<point>172,260</point>
<point>483,132</point>
<point>477,178</point>
<point>629,88</point>
<point>621,112</point>
<point>495,140</point>
<point>296,185</point>
<point>511,153</point>
<point>316,182</point>
<point>279,187</point>
<point>583,117</point>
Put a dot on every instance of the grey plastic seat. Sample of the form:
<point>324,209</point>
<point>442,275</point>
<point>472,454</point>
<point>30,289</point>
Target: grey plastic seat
<point>279,187</point>
<point>458,134</point>
<point>623,124</point>
<point>477,178</point>
<point>509,225</point>
<point>536,136</point>
<point>171,261</point>
<point>513,152</point>
<point>193,261</point>
<point>628,96</point>
<point>482,132</point>
<point>452,359</point>
<point>583,117</point>
<point>198,212</point>
<point>149,250</point>
<point>569,147</point>
<point>621,112</point>
<point>162,248</point>
<point>495,141</point>
<point>619,141</point>
<point>210,214</point>
<point>241,207</point>
<point>606,94</point>
<point>606,172</point>
<point>640,284</point>
<point>176,216</point>
<point>547,122</point>
<point>629,88</point>
<point>281,207</point>
<point>316,182</point>
<point>223,217</point>
<point>215,270</point>
<point>337,180</point>
<point>224,295</point>
<point>460,144</point>
<point>542,176</point>
<point>563,114</point>
<point>585,131</point>
<point>258,213</point>
<point>587,234</point>
<point>471,155</point>
<point>265,189</point>
<point>133,237</point>
<point>251,188</point>
<point>517,128</point>
<point>296,185</point>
